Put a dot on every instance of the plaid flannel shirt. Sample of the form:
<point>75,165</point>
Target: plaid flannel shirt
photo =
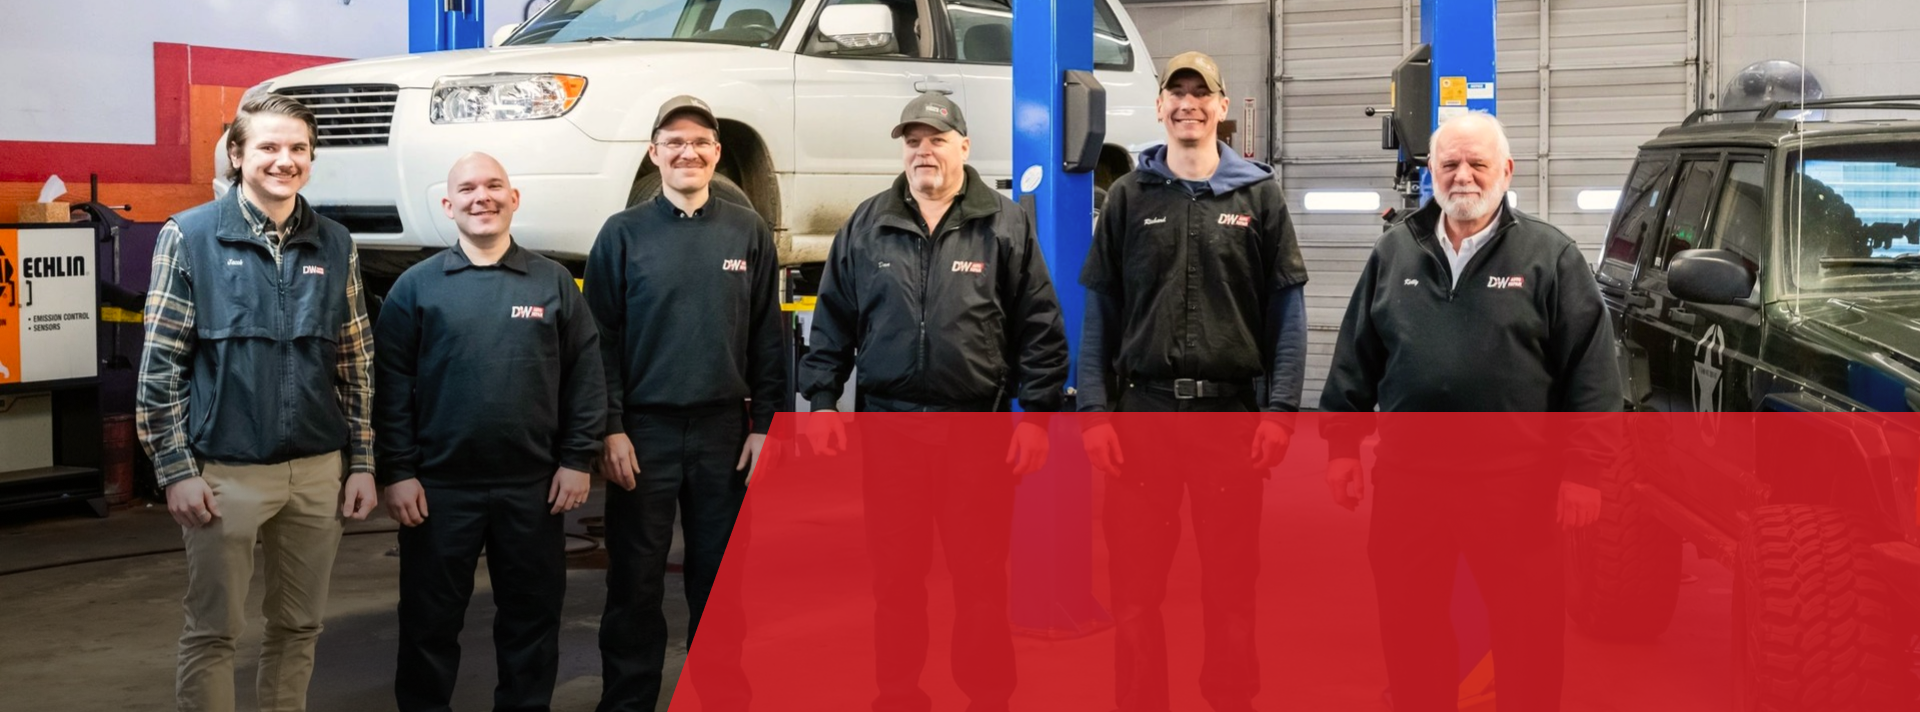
<point>161,401</point>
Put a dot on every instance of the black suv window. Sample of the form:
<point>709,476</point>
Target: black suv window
<point>983,29</point>
<point>983,32</point>
<point>1645,194</point>
<point>1853,217</point>
<point>1687,219</point>
<point>1740,223</point>
<point>1110,47</point>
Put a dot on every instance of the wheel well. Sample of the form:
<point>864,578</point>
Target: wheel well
<point>744,159</point>
<point>1114,162</point>
<point>1800,467</point>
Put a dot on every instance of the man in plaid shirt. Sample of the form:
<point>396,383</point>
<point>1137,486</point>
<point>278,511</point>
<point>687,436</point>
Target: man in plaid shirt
<point>254,395</point>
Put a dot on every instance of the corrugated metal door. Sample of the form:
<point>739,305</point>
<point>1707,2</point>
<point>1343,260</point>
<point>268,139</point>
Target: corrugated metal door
<point>1614,71</point>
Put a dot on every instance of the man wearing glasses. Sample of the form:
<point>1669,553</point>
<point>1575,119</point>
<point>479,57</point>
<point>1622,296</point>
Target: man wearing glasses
<point>683,289</point>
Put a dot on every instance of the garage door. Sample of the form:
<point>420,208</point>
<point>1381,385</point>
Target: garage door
<point>1614,71</point>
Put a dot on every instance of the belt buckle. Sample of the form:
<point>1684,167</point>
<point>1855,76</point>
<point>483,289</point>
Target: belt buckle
<point>1186,388</point>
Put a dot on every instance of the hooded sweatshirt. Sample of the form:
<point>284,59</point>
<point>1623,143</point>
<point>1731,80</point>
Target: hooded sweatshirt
<point>1194,279</point>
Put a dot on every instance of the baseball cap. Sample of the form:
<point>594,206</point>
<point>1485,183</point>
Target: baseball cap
<point>933,109</point>
<point>689,104</point>
<point>1198,63</point>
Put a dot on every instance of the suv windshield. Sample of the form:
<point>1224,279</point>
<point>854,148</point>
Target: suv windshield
<point>742,22</point>
<point>1853,217</point>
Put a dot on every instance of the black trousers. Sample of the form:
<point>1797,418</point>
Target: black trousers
<point>1207,460</point>
<point>1503,523</point>
<point>922,477</point>
<point>686,463</point>
<point>526,561</point>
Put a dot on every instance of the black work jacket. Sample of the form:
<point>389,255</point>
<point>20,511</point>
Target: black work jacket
<point>1192,275</point>
<point>1523,330</point>
<point>955,321</point>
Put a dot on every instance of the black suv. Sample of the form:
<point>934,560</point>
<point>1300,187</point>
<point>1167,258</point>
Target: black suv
<point>1760,263</point>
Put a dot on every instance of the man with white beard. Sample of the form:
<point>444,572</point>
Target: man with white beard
<point>1470,305</point>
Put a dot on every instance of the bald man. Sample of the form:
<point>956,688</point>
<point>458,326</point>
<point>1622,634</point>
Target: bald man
<point>489,406</point>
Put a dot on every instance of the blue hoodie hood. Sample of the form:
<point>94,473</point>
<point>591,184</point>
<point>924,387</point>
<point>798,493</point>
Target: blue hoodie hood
<point>1233,174</point>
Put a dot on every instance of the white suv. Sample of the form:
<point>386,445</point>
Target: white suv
<point>806,92</point>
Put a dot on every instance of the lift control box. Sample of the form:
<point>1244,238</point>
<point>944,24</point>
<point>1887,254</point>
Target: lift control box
<point>1084,127</point>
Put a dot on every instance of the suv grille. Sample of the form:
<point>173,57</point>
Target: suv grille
<point>349,114</point>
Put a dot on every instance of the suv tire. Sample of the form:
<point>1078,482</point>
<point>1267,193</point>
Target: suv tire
<point>1623,571</point>
<point>1814,624</point>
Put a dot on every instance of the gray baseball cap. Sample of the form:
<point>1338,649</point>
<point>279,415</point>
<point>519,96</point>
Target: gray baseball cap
<point>933,109</point>
<point>687,104</point>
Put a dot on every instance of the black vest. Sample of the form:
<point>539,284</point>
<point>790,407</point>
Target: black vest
<point>263,382</point>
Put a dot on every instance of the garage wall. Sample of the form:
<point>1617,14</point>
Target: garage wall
<point>137,92</point>
<point>1855,47</point>
<point>63,63</point>
<point>1233,32</point>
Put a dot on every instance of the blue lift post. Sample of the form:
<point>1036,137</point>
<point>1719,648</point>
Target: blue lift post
<point>1053,514</point>
<point>1464,73</point>
<point>434,25</point>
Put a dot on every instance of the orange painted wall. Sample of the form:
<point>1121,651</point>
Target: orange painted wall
<point>209,107</point>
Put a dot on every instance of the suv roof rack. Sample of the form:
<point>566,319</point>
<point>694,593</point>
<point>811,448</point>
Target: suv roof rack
<point>1906,102</point>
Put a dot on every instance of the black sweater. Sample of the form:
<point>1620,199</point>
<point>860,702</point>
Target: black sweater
<point>1524,331</point>
<point>689,311</point>
<point>486,376</point>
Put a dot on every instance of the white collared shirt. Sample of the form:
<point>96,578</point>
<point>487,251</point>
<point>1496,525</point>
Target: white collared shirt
<point>1469,246</point>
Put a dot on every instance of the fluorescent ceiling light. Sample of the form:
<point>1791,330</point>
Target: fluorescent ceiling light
<point>1598,199</point>
<point>1343,201</point>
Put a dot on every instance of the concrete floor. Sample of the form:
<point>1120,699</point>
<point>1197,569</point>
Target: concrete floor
<point>101,635</point>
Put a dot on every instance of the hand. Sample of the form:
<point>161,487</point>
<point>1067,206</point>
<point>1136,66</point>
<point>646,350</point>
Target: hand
<point>618,464</point>
<point>191,503</point>
<point>1103,449</point>
<point>1028,451</point>
<point>1579,505</point>
<point>1347,480</point>
<point>827,433</point>
<point>569,490</point>
<point>1270,441</point>
<point>358,497</point>
<point>750,454</point>
<point>407,502</point>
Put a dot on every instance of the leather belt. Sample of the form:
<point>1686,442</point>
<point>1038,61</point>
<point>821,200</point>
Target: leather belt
<point>1191,388</point>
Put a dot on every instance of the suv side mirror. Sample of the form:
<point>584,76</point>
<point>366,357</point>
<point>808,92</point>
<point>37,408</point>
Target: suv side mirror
<point>858,29</point>
<point>500,35</point>
<point>1711,277</point>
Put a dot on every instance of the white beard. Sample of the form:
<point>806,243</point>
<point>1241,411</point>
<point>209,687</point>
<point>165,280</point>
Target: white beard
<point>1469,210</point>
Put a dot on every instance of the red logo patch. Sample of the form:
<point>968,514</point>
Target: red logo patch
<point>1506,282</point>
<point>1236,220</point>
<point>971,267</point>
<point>733,265</point>
<point>311,269</point>
<point>529,312</point>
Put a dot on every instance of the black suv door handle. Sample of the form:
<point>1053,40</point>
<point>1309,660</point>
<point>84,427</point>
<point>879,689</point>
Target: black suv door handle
<point>1682,317</point>
<point>1640,300</point>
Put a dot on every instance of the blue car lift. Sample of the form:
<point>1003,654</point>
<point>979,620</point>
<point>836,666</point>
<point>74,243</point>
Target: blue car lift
<point>434,25</point>
<point>1058,125</point>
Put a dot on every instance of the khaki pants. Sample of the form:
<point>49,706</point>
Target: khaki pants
<point>292,508</point>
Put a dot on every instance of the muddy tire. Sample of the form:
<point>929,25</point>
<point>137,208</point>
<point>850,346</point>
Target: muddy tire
<point>1623,571</point>
<point>1815,626</point>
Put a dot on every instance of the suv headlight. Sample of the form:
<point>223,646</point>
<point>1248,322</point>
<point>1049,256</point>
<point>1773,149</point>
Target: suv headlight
<point>504,97</point>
